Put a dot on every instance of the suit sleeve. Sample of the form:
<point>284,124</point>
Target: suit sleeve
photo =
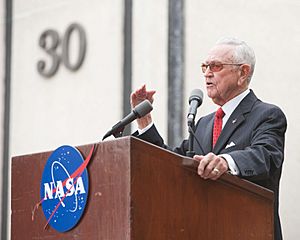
<point>153,136</point>
<point>265,153</point>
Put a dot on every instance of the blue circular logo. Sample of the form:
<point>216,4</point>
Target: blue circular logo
<point>64,188</point>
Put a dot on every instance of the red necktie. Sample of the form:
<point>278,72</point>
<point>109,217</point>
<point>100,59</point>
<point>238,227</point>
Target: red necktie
<point>217,125</point>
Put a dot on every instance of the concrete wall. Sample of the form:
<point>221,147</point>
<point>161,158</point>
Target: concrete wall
<point>71,107</point>
<point>150,54</point>
<point>78,107</point>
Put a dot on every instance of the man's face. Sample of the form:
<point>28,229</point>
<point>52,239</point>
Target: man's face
<point>222,85</point>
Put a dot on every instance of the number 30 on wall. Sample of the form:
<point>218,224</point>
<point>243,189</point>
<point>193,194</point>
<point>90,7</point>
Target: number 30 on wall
<point>50,42</point>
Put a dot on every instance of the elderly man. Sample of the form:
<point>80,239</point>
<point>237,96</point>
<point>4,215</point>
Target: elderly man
<point>245,136</point>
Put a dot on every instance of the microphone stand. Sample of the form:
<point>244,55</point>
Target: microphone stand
<point>191,125</point>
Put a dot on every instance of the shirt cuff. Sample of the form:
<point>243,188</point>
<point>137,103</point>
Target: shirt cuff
<point>233,168</point>
<point>141,131</point>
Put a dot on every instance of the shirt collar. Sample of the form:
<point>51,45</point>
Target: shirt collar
<point>231,105</point>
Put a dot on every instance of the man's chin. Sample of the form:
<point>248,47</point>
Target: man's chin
<point>211,94</point>
<point>215,98</point>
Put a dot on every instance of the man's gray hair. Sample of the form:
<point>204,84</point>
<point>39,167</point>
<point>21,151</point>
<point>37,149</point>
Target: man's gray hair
<point>243,53</point>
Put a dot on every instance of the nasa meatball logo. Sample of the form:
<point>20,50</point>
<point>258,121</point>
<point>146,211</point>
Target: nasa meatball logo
<point>64,188</point>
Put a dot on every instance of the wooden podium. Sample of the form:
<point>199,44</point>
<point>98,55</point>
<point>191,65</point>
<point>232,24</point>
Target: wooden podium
<point>140,191</point>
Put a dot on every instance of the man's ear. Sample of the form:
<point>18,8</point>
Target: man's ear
<point>245,71</point>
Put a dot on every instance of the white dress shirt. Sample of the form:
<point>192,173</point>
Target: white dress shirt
<point>228,109</point>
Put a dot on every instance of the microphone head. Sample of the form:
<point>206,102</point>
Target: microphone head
<point>197,95</point>
<point>143,108</point>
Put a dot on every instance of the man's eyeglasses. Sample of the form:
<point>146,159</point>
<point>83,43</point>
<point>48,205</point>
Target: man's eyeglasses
<point>217,66</point>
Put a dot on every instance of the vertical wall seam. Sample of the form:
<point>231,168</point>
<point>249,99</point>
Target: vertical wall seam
<point>7,80</point>
<point>127,61</point>
<point>175,72</point>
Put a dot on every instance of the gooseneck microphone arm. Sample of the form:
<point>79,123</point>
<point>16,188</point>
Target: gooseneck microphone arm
<point>190,152</point>
<point>195,101</point>
<point>192,132</point>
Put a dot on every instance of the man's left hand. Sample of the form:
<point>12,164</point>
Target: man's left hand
<point>211,166</point>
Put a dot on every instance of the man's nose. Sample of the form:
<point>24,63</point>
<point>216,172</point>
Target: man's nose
<point>208,72</point>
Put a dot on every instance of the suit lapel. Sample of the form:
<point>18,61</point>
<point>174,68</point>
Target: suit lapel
<point>207,138</point>
<point>232,124</point>
<point>234,121</point>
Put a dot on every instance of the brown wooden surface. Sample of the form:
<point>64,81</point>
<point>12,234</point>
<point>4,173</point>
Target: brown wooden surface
<point>172,202</point>
<point>139,191</point>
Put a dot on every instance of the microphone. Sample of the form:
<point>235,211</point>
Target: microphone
<point>139,111</point>
<point>195,101</point>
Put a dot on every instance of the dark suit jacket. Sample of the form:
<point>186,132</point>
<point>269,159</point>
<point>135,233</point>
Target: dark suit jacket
<point>257,130</point>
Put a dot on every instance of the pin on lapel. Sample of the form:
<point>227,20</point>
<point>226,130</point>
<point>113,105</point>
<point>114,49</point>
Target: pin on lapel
<point>234,121</point>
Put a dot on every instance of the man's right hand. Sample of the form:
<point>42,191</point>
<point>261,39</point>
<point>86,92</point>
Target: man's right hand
<point>137,97</point>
